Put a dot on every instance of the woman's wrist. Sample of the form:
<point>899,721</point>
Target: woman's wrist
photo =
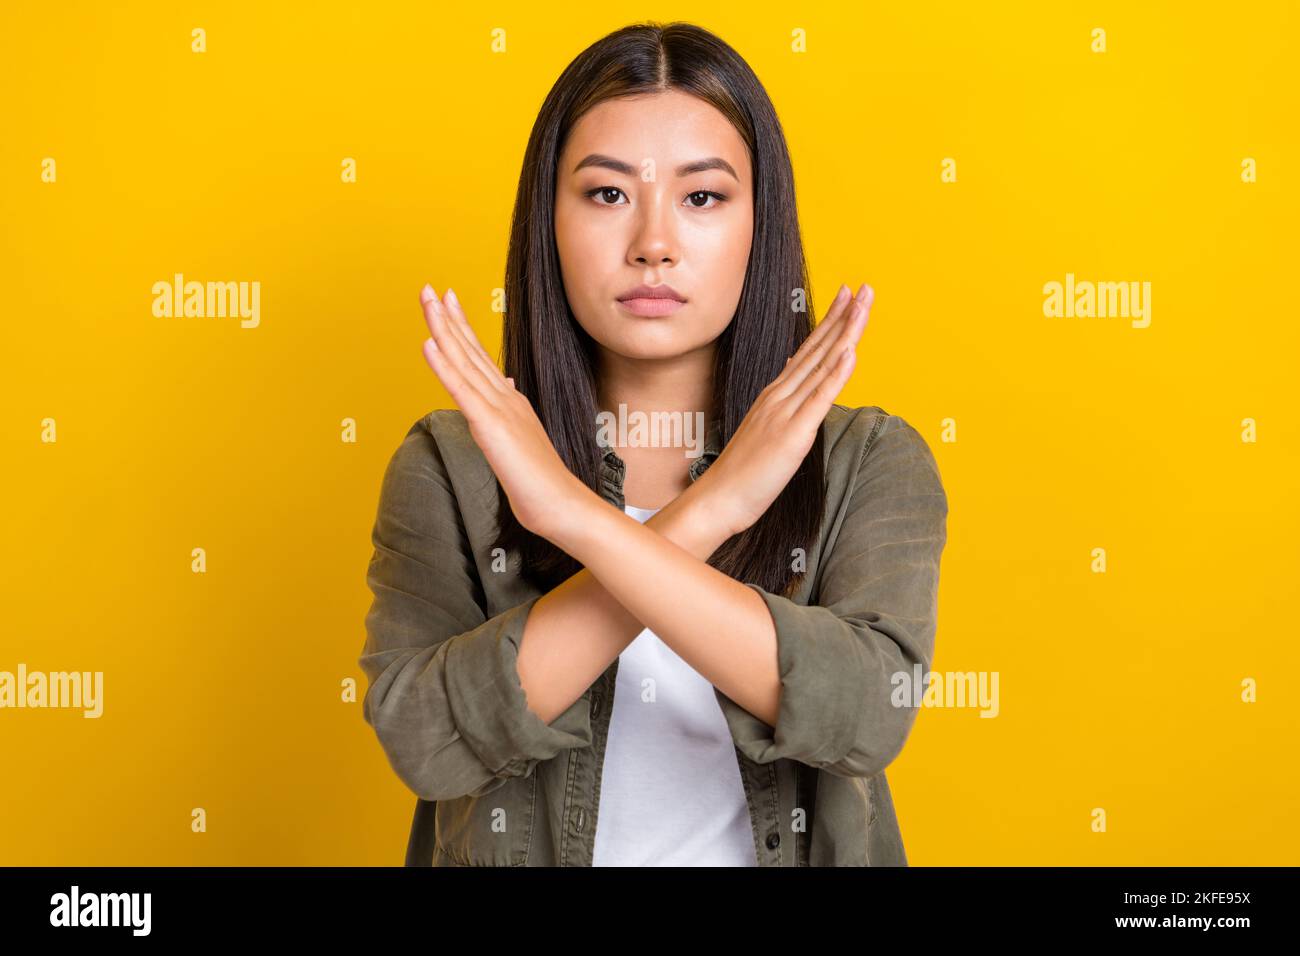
<point>699,520</point>
<point>716,504</point>
<point>572,512</point>
<point>693,521</point>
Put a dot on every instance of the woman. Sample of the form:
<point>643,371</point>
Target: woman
<point>704,673</point>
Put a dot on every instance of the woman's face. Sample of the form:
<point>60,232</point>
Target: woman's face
<point>636,213</point>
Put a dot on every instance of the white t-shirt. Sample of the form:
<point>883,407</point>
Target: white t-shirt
<point>670,790</point>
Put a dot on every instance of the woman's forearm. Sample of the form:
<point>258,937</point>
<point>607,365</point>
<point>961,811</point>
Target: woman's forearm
<point>719,626</point>
<point>576,630</point>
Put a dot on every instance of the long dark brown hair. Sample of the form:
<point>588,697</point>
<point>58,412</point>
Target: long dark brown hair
<point>552,358</point>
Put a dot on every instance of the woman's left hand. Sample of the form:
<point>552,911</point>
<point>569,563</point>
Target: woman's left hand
<point>776,433</point>
<point>501,419</point>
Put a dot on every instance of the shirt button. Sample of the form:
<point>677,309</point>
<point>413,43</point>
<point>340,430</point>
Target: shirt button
<point>579,819</point>
<point>595,705</point>
<point>773,840</point>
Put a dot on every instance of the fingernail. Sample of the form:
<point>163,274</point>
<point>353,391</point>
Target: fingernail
<point>451,295</point>
<point>426,293</point>
<point>843,291</point>
<point>432,345</point>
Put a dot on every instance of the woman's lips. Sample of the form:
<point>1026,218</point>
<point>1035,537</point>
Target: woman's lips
<point>651,307</point>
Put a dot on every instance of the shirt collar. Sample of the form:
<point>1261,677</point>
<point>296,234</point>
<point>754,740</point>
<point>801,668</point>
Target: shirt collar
<point>613,469</point>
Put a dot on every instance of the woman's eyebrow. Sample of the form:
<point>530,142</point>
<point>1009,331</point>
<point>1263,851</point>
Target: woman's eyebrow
<point>686,169</point>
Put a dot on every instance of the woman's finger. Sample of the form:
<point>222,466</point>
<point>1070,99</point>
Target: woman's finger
<point>827,367</point>
<point>475,350</point>
<point>462,393</point>
<point>452,304</point>
<point>838,305</point>
<point>797,371</point>
<point>459,328</point>
<point>823,328</point>
<point>455,354</point>
<point>798,364</point>
<point>817,403</point>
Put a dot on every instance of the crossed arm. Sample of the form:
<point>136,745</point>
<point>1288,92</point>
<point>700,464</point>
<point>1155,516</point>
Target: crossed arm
<point>720,627</point>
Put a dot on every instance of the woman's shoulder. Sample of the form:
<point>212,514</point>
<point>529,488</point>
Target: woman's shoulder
<point>432,431</point>
<point>855,432</point>
<point>854,425</point>
<point>444,422</point>
<point>439,441</point>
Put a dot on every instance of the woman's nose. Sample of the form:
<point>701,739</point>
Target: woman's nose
<point>655,239</point>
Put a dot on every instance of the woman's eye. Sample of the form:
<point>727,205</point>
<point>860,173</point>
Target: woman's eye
<point>606,192</point>
<point>696,200</point>
<point>703,194</point>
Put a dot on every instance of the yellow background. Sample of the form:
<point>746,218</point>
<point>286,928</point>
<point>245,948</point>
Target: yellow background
<point>222,690</point>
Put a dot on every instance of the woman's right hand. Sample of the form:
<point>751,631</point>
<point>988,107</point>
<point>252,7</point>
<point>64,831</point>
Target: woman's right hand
<point>779,429</point>
<point>544,495</point>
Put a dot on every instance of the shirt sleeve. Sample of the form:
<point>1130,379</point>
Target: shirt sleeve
<point>876,617</point>
<point>444,695</point>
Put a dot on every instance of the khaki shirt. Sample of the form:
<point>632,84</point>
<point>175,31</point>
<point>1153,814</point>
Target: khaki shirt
<point>499,787</point>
